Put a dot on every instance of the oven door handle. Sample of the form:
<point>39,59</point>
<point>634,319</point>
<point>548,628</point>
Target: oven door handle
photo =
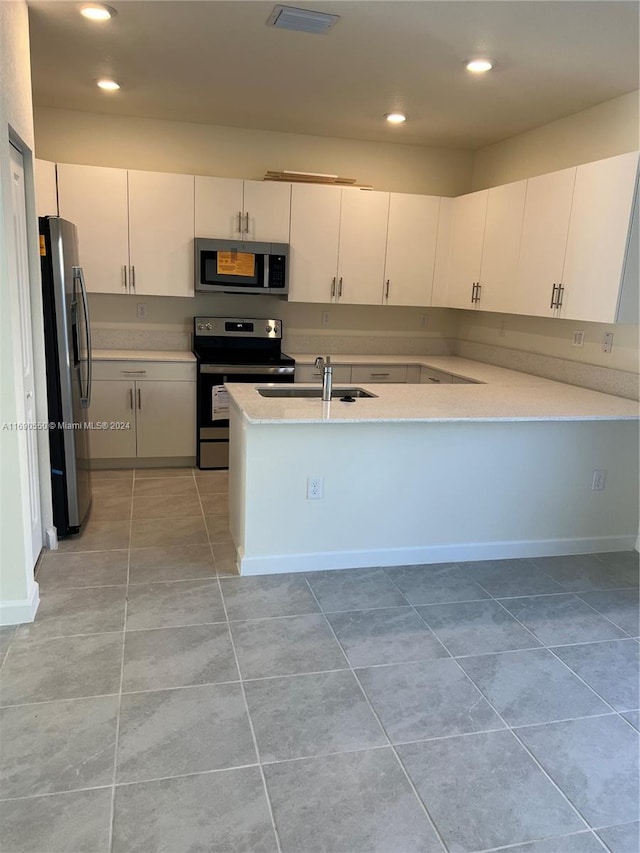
<point>250,369</point>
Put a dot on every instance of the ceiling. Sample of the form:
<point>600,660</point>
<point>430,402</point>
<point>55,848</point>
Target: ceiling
<point>219,63</point>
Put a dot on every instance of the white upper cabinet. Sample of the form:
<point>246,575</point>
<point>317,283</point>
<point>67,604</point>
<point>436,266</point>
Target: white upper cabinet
<point>95,199</point>
<point>338,239</point>
<point>135,229</point>
<point>229,209</point>
<point>161,230</point>
<point>598,241</point>
<point>412,236</point>
<point>500,247</point>
<point>544,241</point>
<point>313,251</point>
<point>441,266</point>
<point>465,253</point>
<point>361,255</point>
<point>45,185</point>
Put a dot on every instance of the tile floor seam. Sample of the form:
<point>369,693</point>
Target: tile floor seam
<point>206,527</point>
<point>56,793</point>
<point>508,727</point>
<point>550,650</point>
<point>112,815</point>
<point>603,615</point>
<point>546,838</point>
<point>410,782</point>
<point>586,684</point>
<point>250,721</point>
<point>534,759</point>
<point>68,699</point>
<point>424,621</point>
<point>193,774</point>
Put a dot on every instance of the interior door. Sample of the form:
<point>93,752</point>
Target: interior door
<point>29,474</point>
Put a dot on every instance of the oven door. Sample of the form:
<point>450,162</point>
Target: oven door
<point>213,405</point>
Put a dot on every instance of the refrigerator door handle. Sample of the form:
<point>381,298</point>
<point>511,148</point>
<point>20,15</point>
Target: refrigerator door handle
<point>78,273</point>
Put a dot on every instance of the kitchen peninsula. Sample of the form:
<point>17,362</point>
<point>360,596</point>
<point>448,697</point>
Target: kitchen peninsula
<point>418,474</point>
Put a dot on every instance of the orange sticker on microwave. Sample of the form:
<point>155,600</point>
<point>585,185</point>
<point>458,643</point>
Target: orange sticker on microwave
<point>236,263</point>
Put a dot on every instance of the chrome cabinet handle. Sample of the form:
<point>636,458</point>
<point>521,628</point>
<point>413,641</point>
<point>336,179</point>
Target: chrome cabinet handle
<point>386,295</point>
<point>333,286</point>
<point>124,276</point>
<point>553,297</point>
<point>431,379</point>
<point>559,296</point>
<point>246,226</point>
<point>136,372</point>
<point>380,374</point>
<point>473,292</point>
<point>340,287</point>
<point>139,399</point>
<point>131,398</point>
<point>239,229</point>
<point>478,289</point>
<point>133,279</point>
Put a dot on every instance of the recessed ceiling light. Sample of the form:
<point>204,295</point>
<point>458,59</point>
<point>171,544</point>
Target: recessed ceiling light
<point>479,66</point>
<point>395,118</point>
<point>97,11</point>
<point>107,85</point>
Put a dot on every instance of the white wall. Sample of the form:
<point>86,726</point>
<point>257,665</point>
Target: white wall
<point>412,493</point>
<point>16,576</point>
<point>197,149</point>
<point>602,131</point>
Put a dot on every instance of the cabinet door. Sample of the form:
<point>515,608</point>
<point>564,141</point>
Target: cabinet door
<point>544,240</point>
<point>112,402</point>
<point>310,373</point>
<point>412,236</point>
<point>429,375</point>
<point>441,267</point>
<point>379,373</point>
<point>95,199</point>
<point>465,254</point>
<point>267,210</point>
<point>501,247</point>
<point>218,208</point>
<point>166,416</point>
<point>313,250</point>
<point>363,239</point>
<point>46,189</point>
<point>161,232</point>
<point>598,236</point>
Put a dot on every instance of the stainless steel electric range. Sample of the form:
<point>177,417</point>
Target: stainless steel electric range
<point>232,349</point>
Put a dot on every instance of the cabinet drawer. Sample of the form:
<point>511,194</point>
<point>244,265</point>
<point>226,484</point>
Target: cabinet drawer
<point>379,373</point>
<point>310,373</point>
<point>428,375</point>
<point>140,370</point>
<point>460,380</point>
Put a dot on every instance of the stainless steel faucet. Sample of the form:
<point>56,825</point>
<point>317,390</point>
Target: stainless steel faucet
<point>324,364</point>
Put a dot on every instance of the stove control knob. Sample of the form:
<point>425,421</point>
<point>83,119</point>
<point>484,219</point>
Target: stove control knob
<point>200,326</point>
<point>269,329</point>
<point>208,326</point>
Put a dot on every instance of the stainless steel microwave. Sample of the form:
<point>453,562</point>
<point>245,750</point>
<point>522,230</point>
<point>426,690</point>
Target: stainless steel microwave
<point>237,266</point>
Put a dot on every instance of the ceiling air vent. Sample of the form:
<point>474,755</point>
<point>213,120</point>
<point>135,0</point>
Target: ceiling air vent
<point>302,20</point>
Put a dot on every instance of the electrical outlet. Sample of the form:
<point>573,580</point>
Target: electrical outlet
<point>607,342</point>
<point>141,311</point>
<point>314,488</point>
<point>599,480</point>
<point>577,339</point>
<point>325,318</point>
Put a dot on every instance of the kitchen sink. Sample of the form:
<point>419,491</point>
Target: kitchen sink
<point>292,391</point>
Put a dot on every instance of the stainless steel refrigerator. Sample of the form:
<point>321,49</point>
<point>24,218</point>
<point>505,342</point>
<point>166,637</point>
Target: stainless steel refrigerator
<point>67,333</point>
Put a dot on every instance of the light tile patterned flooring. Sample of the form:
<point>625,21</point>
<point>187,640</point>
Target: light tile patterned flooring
<point>158,703</point>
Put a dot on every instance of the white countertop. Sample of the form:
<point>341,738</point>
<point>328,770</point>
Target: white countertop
<point>505,395</point>
<point>142,355</point>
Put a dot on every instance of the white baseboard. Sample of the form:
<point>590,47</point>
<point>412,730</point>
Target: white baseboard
<point>20,610</point>
<point>321,561</point>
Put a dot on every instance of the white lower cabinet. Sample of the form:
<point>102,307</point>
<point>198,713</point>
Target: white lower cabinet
<point>372,373</point>
<point>310,373</point>
<point>141,414</point>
